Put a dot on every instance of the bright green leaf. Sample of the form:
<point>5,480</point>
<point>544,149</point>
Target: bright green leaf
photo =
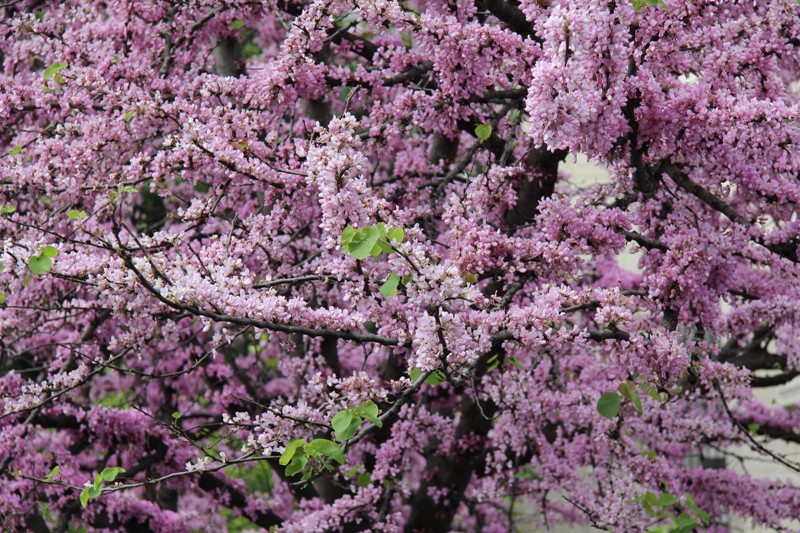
<point>50,251</point>
<point>328,448</point>
<point>2,297</point>
<point>608,404</point>
<point>84,497</point>
<point>364,241</point>
<point>7,209</point>
<point>638,5</point>
<point>290,451</point>
<point>176,415</point>
<point>348,234</point>
<point>369,411</point>
<point>345,424</point>
<point>89,492</point>
<point>389,287</point>
<point>396,234</point>
<point>110,473</point>
<point>236,24</point>
<point>127,117</point>
<point>54,69</point>
<point>379,248</point>
<point>483,132</point>
<point>342,419</point>
<point>628,390</point>
<point>40,264</point>
<point>53,473</point>
<point>15,150</point>
<point>74,214</point>
<point>436,378</point>
<point>299,461</point>
<point>513,361</point>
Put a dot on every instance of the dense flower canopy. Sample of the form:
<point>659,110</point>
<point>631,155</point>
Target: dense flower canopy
<point>312,265</point>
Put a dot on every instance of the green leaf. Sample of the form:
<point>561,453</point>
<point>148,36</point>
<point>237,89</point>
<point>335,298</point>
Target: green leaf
<point>638,5</point>
<point>236,24</point>
<point>341,420</point>
<point>389,287</point>
<point>436,378</point>
<point>345,424</point>
<point>348,234</point>
<point>40,264</point>
<point>54,69</point>
<point>328,448</point>
<point>396,234</point>
<point>290,451</point>
<point>2,297</point>
<point>379,248</point>
<point>608,404</point>
<point>372,327</point>
<point>692,506</point>
<point>110,473</point>
<point>753,427</point>
<point>7,209</point>
<point>364,480</point>
<point>176,415</point>
<point>369,411</point>
<point>650,390</point>
<point>74,214</point>
<point>299,461</point>
<point>364,241</point>
<point>89,492</point>
<point>350,431</point>
<point>628,390</point>
<point>483,132</point>
<point>684,521</point>
<point>127,117</point>
<point>53,473</point>
<point>84,497</point>
<point>50,251</point>
<point>666,499</point>
<point>15,150</point>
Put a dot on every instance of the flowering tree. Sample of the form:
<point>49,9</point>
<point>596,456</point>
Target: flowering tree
<point>312,265</point>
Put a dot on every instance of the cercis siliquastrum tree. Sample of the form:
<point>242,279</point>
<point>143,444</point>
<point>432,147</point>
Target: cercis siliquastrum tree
<point>314,265</point>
